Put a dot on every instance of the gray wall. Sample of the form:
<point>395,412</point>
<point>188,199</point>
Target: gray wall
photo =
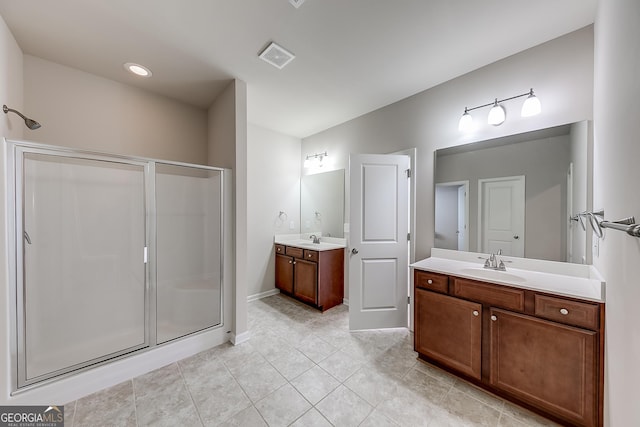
<point>81,110</point>
<point>273,186</point>
<point>560,71</point>
<point>616,176</point>
<point>227,147</point>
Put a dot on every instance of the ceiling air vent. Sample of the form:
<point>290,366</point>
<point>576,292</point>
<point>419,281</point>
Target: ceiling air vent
<point>276,55</point>
<point>296,3</point>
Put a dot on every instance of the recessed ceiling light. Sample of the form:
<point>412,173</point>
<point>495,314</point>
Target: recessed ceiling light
<point>276,55</point>
<point>137,69</point>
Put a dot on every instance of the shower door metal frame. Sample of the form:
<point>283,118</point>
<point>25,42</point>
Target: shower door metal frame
<point>19,209</point>
<point>15,150</point>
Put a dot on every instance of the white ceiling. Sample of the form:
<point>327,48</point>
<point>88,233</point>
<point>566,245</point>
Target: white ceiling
<point>352,56</point>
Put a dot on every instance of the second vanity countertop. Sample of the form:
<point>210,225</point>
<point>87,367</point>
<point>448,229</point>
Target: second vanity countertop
<point>305,242</point>
<point>577,281</point>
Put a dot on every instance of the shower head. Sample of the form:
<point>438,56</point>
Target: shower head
<point>31,124</point>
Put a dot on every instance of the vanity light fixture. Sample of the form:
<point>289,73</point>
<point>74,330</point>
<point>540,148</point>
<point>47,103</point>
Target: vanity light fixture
<point>315,160</point>
<point>137,69</point>
<point>497,114</point>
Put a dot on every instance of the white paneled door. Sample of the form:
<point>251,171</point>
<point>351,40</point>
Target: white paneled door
<point>379,225</point>
<point>501,215</point>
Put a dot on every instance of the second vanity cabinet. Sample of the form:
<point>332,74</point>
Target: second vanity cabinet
<point>311,276</point>
<point>540,350</point>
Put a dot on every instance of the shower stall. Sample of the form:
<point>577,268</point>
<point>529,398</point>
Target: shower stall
<point>113,255</point>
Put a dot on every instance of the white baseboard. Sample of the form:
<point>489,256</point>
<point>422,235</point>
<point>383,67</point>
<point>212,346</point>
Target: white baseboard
<point>261,295</point>
<point>240,338</point>
<point>345,301</point>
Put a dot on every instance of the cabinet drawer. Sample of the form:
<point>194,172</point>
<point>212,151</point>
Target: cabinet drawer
<point>311,255</point>
<point>280,249</point>
<point>431,281</point>
<point>569,312</point>
<point>487,293</point>
<point>294,252</point>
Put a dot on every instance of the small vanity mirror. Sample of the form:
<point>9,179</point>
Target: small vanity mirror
<point>322,203</point>
<point>517,194</point>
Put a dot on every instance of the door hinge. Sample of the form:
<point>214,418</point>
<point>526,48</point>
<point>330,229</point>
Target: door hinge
<point>408,300</point>
<point>408,172</point>
<point>408,236</point>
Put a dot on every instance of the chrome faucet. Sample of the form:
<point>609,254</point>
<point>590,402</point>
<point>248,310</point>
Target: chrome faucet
<point>492,262</point>
<point>315,238</point>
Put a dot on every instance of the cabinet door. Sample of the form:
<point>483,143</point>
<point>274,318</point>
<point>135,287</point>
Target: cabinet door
<point>284,273</point>
<point>547,364</point>
<point>449,330</point>
<point>306,281</point>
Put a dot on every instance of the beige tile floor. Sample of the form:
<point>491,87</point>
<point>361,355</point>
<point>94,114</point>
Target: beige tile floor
<point>300,368</point>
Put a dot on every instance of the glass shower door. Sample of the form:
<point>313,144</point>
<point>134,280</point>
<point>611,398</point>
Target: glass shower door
<point>189,250</point>
<point>83,281</point>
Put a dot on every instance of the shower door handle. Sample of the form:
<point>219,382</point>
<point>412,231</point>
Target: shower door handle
<point>26,237</point>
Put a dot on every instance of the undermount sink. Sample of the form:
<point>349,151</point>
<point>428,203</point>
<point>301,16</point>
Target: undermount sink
<point>305,243</point>
<point>493,274</point>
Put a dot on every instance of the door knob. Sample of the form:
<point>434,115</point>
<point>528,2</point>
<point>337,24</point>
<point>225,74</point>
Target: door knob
<point>354,251</point>
<point>516,237</point>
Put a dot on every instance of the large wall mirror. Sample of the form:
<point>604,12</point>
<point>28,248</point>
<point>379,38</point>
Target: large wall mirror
<point>517,194</point>
<point>322,203</point>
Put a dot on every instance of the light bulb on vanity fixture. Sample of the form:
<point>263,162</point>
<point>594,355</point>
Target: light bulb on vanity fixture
<point>466,121</point>
<point>497,114</point>
<point>531,106</point>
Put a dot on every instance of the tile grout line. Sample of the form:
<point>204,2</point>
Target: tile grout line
<point>252,404</point>
<point>186,386</point>
<point>133,395</point>
<point>73,419</point>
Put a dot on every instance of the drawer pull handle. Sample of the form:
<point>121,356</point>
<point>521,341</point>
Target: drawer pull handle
<point>294,262</point>
<point>564,311</point>
<point>494,318</point>
<point>290,262</point>
<point>309,255</point>
<point>430,281</point>
<point>475,313</point>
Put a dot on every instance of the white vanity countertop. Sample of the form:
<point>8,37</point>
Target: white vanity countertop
<point>305,242</point>
<point>572,280</point>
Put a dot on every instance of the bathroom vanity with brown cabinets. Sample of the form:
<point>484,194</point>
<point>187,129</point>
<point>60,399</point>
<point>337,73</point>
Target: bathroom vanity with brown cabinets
<point>541,350</point>
<point>315,277</point>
